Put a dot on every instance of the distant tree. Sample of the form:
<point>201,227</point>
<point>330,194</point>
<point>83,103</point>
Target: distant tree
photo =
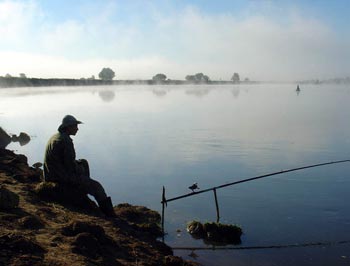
<point>199,77</point>
<point>22,75</point>
<point>205,78</point>
<point>190,78</point>
<point>235,78</point>
<point>159,77</point>
<point>8,76</point>
<point>92,77</point>
<point>246,80</point>
<point>106,74</point>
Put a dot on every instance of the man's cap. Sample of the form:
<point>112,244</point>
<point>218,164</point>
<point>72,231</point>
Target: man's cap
<point>69,120</point>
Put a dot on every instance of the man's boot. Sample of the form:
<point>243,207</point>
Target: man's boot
<point>107,207</point>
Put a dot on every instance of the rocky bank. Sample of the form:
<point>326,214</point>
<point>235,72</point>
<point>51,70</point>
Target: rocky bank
<point>42,224</point>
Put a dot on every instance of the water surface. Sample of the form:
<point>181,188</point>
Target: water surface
<point>140,138</point>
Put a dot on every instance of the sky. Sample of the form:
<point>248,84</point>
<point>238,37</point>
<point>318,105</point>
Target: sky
<point>275,40</point>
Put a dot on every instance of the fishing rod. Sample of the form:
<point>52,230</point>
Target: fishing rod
<point>164,200</point>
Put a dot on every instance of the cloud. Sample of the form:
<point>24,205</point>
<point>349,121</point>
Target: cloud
<point>47,66</point>
<point>16,19</point>
<point>177,43</point>
<point>43,66</point>
<point>260,46</point>
<point>63,37</point>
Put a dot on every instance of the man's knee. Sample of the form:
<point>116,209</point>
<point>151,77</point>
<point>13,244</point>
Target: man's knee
<point>83,162</point>
<point>90,184</point>
<point>83,167</point>
<point>95,189</point>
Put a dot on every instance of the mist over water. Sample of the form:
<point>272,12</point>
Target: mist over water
<point>140,138</point>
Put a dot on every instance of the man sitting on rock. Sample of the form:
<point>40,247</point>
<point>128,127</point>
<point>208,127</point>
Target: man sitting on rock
<point>60,165</point>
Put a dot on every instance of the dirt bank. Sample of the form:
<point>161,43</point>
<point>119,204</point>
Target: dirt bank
<point>40,231</point>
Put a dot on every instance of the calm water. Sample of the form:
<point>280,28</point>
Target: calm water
<point>138,139</point>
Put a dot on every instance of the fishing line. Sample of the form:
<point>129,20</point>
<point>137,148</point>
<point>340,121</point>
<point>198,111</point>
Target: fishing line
<point>297,245</point>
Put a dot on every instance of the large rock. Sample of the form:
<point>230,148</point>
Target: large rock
<point>8,199</point>
<point>5,139</point>
<point>23,138</point>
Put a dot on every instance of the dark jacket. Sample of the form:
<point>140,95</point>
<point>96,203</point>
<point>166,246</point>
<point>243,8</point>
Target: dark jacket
<point>59,162</point>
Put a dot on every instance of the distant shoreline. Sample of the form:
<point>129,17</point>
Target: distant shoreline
<point>12,82</point>
<point>15,82</point>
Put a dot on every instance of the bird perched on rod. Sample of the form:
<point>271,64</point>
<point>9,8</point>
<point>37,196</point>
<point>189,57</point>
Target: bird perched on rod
<point>193,187</point>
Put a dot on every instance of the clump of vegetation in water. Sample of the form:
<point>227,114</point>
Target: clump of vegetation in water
<point>215,233</point>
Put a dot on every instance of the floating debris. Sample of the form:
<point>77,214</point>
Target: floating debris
<point>215,233</point>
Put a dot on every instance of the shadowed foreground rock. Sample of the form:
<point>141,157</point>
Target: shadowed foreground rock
<point>57,225</point>
<point>8,199</point>
<point>23,250</point>
<point>5,139</point>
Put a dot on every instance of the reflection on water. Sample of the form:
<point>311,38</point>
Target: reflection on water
<point>235,92</point>
<point>198,92</point>
<point>106,96</point>
<point>160,92</point>
<point>145,140</point>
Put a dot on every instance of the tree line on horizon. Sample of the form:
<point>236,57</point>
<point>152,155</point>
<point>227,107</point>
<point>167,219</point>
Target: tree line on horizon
<point>107,74</point>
